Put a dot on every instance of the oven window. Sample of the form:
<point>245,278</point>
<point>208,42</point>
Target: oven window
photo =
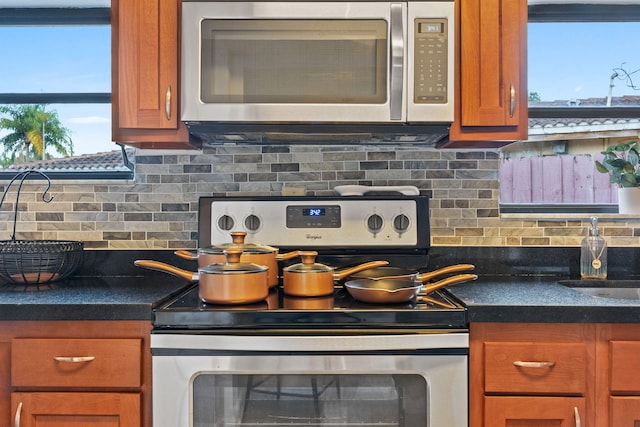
<point>294,61</point>
<point>309,400</point>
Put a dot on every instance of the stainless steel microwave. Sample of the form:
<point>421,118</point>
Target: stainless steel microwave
<point>318,62</point>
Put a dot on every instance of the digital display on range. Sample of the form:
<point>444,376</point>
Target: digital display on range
<point>313,211</point>
<point>313,216</point>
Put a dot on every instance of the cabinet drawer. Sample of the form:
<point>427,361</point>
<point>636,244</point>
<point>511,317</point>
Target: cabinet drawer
<point>91,363</point>
<point>625,366</point>
<point>535,368</point>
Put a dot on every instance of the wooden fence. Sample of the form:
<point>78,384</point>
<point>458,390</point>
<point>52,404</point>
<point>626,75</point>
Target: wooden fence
<point>555,179</point>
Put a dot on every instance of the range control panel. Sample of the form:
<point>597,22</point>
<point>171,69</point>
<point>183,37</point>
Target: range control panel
<point>321,222</point>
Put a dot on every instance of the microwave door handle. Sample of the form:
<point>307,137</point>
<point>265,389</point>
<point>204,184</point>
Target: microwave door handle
<point>397,62</point>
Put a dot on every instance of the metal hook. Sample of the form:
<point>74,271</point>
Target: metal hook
<point>22,176</point>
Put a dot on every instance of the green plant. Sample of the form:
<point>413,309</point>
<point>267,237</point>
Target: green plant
<point>622,163</point>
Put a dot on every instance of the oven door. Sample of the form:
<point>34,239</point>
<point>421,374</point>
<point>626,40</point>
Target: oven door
<point>387,380</point>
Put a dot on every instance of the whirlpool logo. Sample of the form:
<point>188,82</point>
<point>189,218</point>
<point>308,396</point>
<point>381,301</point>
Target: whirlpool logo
<point>313,237</point>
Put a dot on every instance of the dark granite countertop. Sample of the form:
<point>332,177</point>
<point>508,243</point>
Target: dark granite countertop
<point>89,298</point>
<point>107,287</point>
<point>514,285</point>
<point>521,285</point>
<point>539,299</point>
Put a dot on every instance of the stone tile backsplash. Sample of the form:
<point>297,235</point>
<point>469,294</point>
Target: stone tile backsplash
<point>159,209</point>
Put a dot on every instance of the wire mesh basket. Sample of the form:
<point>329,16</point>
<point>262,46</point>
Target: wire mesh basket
<point>39,261</point>
<point>36,261</point>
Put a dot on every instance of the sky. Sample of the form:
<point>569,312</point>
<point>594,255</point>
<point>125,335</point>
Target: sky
<point>576,60</point>
<point>565,61</point>
<point>63,59</point>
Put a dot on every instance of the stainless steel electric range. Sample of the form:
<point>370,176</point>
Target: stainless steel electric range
<point>314,361</point>
<point>345,231</point>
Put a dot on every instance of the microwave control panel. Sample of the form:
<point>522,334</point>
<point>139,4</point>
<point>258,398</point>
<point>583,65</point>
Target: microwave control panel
<point>430,59</point>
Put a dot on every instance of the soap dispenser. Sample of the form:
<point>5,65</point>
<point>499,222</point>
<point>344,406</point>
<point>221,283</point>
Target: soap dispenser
<point>593,254</point>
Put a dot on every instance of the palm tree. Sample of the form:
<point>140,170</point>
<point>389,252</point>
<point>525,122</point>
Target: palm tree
<point>32,131</point>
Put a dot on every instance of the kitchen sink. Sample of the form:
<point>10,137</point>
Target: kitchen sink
<point>618,289</point>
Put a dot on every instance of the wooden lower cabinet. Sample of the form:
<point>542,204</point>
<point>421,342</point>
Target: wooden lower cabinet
<point>75,373</point>
<point>618,379</point>
<point>549,374</point>
<point>531,375</point>
<point>513,411</point>
<point>50,409</point>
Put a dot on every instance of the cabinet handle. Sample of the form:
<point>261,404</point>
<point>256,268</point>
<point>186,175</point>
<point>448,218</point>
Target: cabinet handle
<point>16,420</point>
<point>512,93</point>
<point>167,103</point>
<point>522,364</point>
<point>576,415</point>
<point>74,359</point>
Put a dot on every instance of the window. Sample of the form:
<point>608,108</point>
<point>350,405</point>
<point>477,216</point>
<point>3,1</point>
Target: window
<point>584,94</point>
<point>59,73</point>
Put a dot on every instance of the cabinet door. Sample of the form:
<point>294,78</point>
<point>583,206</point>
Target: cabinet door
<point>492,90</point>
<point>76,409</point>
<point>507,411</point>
<point>625,411</point>
<point>145,87</point>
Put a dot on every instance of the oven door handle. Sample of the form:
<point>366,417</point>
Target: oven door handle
<point>311,343</point>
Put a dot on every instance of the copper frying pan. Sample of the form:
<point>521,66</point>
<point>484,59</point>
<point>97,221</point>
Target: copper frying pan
<point>401,273</point>
<point>398,290</point>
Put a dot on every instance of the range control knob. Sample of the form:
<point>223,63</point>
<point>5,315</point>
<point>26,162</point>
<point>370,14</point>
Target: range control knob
<point>375,223</point>
<point>226,223</point>
<point>401,223</point>
<point>252,222</point>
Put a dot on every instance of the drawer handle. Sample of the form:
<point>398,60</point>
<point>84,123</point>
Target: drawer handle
<point>576,415</point>
<point>521,364</point>
<point>16,420</point>
<point>74,359</point>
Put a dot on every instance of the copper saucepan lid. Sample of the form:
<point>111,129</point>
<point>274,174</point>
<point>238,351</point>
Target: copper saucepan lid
<point>310,266</point>
<point>237,242</point>
<point>233,265</point>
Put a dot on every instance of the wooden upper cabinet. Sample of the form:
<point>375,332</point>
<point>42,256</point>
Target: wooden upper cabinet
<point>145,74</point>
<point>491,84</point>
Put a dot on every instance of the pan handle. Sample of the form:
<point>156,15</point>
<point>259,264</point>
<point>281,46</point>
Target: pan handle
<point>340,275</point>
<point>185,254</point>
<point>460,278</point>
<point>456,268</point>
<point>286,256</point>
<point>166,268</point>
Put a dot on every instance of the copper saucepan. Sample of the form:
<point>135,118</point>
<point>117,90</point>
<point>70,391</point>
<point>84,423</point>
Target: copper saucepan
<point>251,252</point>
<point>231,282</point>
<point>398,290</point>
<point>311,279</point>
<point>401,273</point>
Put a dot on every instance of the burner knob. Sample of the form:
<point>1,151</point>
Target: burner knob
<point>401,223</point>
<point>226,223</point>
<point>375,222</point>
<point>252,222</point>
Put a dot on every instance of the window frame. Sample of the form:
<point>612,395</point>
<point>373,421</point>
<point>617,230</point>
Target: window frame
<point>555,12</point>
<point>83,16</point>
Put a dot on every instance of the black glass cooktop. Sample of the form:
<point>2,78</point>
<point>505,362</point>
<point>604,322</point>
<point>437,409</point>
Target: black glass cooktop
<point>279,311</point>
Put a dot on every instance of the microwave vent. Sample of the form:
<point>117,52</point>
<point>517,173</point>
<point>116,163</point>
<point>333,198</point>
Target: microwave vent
<point>217,134</point>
